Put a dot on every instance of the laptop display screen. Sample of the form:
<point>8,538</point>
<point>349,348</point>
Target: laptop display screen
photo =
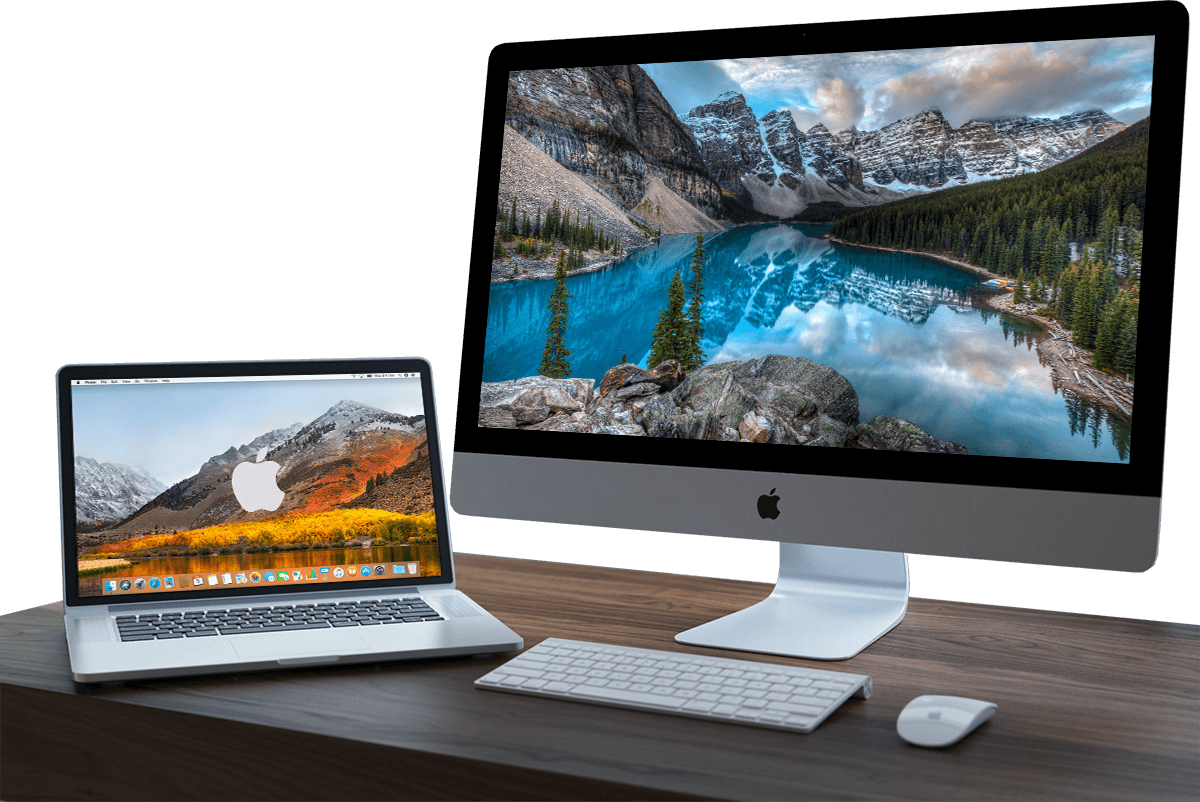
<point>185,484</point>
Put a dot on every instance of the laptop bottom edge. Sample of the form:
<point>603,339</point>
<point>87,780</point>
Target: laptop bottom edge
<point>113,662</point>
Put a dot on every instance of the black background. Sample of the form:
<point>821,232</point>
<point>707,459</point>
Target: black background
<point>244,189</point>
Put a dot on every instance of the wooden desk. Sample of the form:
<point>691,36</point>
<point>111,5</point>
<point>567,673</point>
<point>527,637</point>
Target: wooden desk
<point>1089,708</point>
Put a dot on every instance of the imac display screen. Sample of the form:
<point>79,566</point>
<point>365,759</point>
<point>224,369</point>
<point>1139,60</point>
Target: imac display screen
<point>933,250</point>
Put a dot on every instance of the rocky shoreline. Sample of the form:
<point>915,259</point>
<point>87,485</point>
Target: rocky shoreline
<point>1070,366</point>
<point>505,270</point>
<point>772,399</point>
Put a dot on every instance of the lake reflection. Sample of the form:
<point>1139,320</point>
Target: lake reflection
<point>911,334</point>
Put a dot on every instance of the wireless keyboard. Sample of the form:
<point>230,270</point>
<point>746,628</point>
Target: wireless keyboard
<point>714,688</point>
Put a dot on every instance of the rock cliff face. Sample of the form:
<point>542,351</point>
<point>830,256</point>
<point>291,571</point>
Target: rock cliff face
<point>612,124</point>
<point>533,180</point>
<point>773,399</point>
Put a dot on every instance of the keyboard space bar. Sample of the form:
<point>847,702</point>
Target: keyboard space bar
<point>629,697</point>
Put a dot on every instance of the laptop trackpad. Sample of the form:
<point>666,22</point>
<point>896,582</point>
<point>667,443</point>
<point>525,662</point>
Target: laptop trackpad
<point>298,644</point>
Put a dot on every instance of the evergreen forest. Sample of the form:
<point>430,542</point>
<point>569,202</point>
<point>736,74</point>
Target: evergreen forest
<point>544,233</point>
<point>1026,226</point>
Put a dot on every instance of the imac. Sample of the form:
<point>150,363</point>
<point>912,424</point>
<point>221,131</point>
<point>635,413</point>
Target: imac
<point>865,289</point>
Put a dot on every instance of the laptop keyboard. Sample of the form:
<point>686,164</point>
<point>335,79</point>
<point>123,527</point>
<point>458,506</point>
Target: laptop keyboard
<point>275,618</point>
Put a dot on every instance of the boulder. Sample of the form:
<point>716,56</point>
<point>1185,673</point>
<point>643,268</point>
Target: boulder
<point>754,428</point>
<point>663,377</point>
<point>531,400</point>
<point>783,394</point>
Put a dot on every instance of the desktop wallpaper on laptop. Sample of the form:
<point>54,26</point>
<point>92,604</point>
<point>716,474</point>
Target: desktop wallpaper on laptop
<point>934,250</point>
<point>199,484</point>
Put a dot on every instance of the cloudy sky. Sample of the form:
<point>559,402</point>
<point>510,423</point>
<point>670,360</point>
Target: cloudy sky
<point>870,90</point>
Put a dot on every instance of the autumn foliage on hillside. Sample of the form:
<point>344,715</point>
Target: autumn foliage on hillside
<point>344,487</point>
<point>291,532</point>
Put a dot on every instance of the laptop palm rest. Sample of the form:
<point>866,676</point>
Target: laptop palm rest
<point>285,645</point>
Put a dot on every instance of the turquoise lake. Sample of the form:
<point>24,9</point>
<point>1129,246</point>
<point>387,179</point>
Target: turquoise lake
<point>913,335</point>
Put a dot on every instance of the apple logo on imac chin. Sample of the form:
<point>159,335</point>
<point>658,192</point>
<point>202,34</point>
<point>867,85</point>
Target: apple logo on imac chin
<point>768,505</point>
<point>254,484</point>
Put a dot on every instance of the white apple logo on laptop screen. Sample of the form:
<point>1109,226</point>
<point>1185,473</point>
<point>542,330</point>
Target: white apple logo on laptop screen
<point>254,484</point>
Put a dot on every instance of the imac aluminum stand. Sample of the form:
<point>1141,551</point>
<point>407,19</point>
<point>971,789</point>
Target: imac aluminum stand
<point>828,604</point>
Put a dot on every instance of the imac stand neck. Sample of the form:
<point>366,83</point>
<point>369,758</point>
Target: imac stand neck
<point>828,604</point>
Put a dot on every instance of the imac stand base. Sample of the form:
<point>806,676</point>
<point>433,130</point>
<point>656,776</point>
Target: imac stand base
<point>828,604</point>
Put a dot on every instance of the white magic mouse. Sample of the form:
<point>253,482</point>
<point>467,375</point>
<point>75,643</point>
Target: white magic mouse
<point>941,720</point>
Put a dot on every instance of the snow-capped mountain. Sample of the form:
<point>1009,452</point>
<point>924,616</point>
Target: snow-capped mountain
<point>923,151</point>
<point>353,416</point>
<point>323,464</point>
<point>783,169</point>
<point>269,440</point>
<point>106,491</point>
<point>732,141</point>
<point>346,420</point>
<point>771,164</point>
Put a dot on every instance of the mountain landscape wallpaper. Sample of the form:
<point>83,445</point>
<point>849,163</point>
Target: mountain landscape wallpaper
<point>932,250</point>
<point>353,477</point>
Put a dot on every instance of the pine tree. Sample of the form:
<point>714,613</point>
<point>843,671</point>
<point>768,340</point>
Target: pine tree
<point>1108,332</point>
<point>1019,292</point>
<point>1109,230</point>
<point>1038,291</point>
<point>1126,356</point>
<point>1083,317</point>
<point>1132,221</point>
<point>1065,303</point>
<point>498,250</point>
<point>1135,259</point>
<point>1022,247</point>
<point>671,332</point>
<point>554,357</point>
<point>693,352</point>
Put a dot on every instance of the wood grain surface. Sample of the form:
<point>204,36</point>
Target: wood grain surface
<point>1089,708</point>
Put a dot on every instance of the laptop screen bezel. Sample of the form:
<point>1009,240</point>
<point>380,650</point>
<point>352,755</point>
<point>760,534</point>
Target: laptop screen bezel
<point>70,373</point>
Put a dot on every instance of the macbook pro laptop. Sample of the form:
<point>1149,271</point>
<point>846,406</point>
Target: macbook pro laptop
<point>249,515</point>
